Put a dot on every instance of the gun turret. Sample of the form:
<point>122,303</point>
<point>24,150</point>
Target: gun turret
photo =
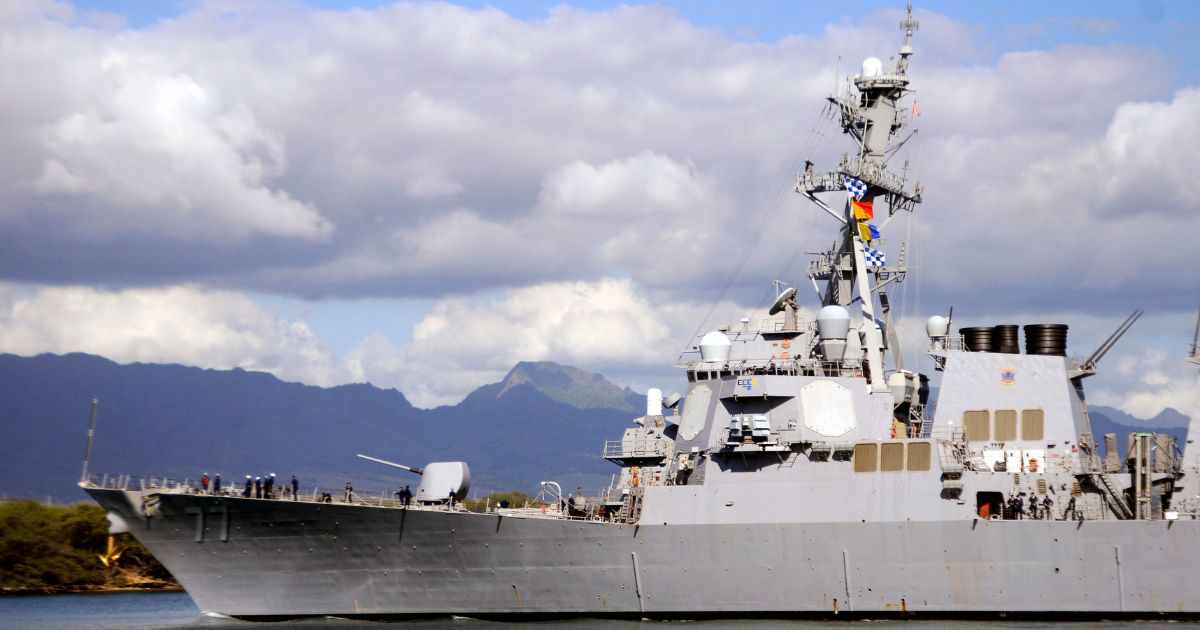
<point>440,481</point>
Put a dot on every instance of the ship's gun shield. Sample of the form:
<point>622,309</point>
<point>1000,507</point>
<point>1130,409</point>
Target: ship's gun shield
<point>441,480</point>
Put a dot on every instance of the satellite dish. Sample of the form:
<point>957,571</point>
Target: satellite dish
<point>782,300</point>
<point>670,401</point>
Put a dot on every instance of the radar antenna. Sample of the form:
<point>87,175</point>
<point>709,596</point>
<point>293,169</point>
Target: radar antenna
<point>786,302</point>
<point>786,299</point>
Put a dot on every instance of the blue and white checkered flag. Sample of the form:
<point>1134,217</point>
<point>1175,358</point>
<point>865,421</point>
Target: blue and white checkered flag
<point>855,187</point>
<point>874,257</point>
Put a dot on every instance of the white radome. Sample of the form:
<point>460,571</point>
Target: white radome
<point>937,326</point>
<point>715,346</point>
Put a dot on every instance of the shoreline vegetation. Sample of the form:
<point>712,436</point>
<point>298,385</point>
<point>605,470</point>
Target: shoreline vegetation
<point>57,549</point>
<point>49,549</point>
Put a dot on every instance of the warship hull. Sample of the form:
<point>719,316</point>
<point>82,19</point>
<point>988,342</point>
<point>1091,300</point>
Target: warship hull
<point>269,559</point>
<point>801,473</point>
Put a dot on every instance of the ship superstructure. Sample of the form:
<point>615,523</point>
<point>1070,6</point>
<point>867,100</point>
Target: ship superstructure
<point>799,473</point>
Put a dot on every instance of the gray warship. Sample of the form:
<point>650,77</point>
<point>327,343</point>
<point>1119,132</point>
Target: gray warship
<point>804,471</point>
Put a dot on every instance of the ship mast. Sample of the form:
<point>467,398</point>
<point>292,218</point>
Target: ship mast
<point>872,116</point>
<point>1194,356</point>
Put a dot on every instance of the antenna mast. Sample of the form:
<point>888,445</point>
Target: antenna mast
<point>856,270</point>
<point>87,455</point>
<point>1194,357</point>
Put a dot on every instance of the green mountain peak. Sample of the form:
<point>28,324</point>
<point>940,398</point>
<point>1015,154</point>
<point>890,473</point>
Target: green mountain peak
<point>571,386</point>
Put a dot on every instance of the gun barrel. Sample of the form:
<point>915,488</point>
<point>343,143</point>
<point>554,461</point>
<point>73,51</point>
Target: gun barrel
<point>411,469</point>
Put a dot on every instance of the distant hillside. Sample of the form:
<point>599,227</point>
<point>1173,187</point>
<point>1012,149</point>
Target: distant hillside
<point>568,385</point>
<point>1110,420</point>
<point>1166,419</point>
<point>180,421</point>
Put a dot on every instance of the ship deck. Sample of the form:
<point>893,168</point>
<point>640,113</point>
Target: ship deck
<point>372,498</point>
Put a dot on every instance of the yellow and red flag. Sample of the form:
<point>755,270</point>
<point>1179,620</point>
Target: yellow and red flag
<point>863,209</point>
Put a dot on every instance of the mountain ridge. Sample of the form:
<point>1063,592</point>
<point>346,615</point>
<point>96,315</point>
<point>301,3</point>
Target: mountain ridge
<point>180,421</point>
<point>570,385</point>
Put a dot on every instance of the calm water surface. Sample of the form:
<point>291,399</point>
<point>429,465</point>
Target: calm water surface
<point>175,610</point>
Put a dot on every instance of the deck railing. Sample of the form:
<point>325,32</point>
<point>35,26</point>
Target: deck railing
<point>372,497</point>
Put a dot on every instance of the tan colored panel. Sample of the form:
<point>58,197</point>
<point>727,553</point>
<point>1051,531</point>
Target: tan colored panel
<point>865,456</point>
<point>919,455</point>
<point>1033,424</point>
<point>891,456</point>
<point>1006,425</point>
<point>976,425</point>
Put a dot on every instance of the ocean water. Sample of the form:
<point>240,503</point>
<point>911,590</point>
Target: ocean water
<point>98,610</point>
<point>145,611</point>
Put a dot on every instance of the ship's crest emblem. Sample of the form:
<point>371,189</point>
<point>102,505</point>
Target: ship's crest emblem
<point>1008,377</point>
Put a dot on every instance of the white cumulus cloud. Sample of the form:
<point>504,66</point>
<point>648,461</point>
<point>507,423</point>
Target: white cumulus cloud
<point>180,324</point>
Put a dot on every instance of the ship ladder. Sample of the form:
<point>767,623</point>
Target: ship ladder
<point>631,508</point>
<point>1111,495</point>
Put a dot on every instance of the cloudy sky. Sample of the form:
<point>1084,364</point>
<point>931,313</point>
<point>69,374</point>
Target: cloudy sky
<point>419,195</point>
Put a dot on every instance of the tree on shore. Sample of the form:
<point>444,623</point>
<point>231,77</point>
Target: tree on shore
<point>50,548</point>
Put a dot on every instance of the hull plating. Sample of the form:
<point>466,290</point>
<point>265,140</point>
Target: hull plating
<point>287,559</point>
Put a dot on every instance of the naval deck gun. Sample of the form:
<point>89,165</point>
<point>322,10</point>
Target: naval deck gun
<point>440,481</point>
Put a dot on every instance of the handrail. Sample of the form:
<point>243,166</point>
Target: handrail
<point>365,498</point>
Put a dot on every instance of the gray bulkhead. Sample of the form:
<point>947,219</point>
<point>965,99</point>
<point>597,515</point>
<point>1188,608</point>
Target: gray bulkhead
<point>985,381</point>
<point>816,422</point>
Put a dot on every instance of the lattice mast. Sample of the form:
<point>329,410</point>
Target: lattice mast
<point>871,114</point>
